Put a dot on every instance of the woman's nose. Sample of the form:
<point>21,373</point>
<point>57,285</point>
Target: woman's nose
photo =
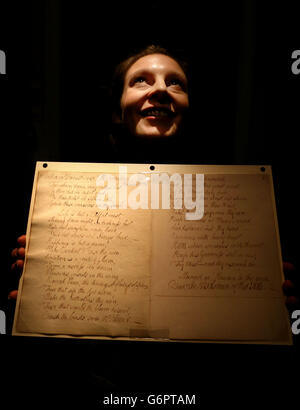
<point>159,90</point>
<point>160,84</point>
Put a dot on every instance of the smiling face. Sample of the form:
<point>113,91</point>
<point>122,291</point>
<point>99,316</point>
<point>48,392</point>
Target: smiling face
<point>154,97</point>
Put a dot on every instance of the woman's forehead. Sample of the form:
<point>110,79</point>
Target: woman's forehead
<point>159,63</point>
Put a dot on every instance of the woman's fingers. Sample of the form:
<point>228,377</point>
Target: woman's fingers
<point>22,241</point>
<point>290,286</point>
<point>13,295</point>
<point>18,253</point>
<point>17,265</point>
<point>292,302</point>
<point>290,271</point>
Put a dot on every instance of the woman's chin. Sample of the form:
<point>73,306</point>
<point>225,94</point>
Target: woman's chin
<point>156,132</point>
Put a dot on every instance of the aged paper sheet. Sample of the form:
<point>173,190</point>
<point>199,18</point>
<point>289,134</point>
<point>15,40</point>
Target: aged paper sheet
<point>87,270</point>
<point>222,271</point>
<point>153,273</point>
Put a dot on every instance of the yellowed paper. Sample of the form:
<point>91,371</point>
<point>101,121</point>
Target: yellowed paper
<point>87,270</point>
<point>222,272</point>
<point>152,272</point>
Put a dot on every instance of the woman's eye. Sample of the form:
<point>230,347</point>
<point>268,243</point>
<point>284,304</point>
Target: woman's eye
<point>176,82</point>
<point>139,80</point>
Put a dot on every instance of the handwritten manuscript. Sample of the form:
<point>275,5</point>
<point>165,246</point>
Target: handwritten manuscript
<point>143,273</point>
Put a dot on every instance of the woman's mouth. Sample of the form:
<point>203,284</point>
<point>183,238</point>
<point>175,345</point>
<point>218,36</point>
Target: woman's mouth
<point>157,112</point>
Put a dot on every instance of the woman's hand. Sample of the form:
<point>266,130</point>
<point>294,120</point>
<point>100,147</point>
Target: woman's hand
<point>291,286</point>
<point>17,267</point>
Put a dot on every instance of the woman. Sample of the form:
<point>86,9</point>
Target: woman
<point>150,104</point>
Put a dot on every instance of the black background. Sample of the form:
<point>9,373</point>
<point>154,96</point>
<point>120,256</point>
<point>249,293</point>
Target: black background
<point>245,109</point>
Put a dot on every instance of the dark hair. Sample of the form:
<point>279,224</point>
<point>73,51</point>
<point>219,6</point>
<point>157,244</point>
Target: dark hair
<point>122,68</point>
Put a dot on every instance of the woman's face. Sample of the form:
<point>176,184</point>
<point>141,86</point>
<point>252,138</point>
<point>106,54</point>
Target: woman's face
<point>154,97</point>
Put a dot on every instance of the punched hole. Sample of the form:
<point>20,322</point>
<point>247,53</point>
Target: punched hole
<point>152,167</point>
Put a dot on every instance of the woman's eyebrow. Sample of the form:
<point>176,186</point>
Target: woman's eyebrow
<point>139,72</point>
<point>144,71</point>
<point>177,74</point>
